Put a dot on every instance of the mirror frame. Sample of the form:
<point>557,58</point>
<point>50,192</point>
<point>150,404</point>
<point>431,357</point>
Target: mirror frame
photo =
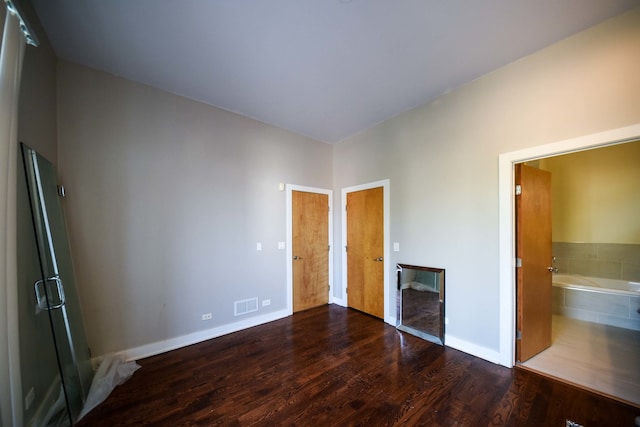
<point>437,339</point>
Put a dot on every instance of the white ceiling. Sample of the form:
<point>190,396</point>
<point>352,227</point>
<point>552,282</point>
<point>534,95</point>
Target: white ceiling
<point>326,69</point>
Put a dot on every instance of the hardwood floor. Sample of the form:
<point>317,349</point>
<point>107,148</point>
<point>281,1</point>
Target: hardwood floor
<point>336,366</point>
<point>421,310</point>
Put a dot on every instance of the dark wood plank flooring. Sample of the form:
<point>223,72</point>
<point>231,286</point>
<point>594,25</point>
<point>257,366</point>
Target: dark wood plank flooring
<point>336,366</point>
<point>421,310</point>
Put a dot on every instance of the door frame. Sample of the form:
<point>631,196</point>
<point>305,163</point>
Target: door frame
<point>386,235</point>
<point>506,199</point>
<point>290,188</point>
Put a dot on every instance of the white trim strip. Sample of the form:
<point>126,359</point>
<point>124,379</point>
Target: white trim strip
<point>472,349</point>
<point>159,347</point>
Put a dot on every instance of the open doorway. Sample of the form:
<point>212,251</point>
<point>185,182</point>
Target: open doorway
<point>596,261</point>
<point>506,196</point>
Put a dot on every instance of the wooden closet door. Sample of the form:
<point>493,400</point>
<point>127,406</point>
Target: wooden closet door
<point>365,249</point>
<point>310,247</point>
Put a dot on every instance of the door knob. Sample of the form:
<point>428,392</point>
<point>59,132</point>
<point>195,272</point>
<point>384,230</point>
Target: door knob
<point>378,259</point>
<point>552,269</point>
<point>296,257</point>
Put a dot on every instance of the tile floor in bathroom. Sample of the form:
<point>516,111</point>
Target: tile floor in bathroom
<point>599,357</point>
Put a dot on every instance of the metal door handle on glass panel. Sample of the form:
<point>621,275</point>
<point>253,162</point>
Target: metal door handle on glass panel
<point>41,297</point>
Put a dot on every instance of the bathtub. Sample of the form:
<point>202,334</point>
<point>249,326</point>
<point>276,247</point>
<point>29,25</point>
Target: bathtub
<point>606,301</point>
<point>596,284</point>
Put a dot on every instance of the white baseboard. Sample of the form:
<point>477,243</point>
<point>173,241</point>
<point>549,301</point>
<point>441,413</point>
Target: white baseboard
<point>159,347</point>
<point>338,301</point>
<point>485,353</point>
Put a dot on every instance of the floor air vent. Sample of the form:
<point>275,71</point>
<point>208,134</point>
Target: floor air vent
<point>245,306</point>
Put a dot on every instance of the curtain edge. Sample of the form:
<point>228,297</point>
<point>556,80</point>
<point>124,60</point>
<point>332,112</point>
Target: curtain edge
<point>11,57</point>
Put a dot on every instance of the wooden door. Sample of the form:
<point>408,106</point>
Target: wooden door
<point>365,248</point>
<point>533,248</point>
<point>310,248</point>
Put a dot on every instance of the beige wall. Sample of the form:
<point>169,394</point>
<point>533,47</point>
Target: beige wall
<point>166,201</point>
<point>596,195</point>
<point>167,197</point>
<point>442,160</point>
<point>37,114</point>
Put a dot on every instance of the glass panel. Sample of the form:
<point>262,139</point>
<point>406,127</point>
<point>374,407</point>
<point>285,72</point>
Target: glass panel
<point>420,299</point>
<point>57,294</point>
<point>40,373</point>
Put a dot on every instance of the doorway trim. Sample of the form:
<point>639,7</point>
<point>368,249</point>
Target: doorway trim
<point>385,183</point>
<point>506,200</point>
<point>289,243</point>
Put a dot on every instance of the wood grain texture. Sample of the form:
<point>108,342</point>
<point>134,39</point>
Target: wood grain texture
<point>365,246</point>
<point>310,245</point>
<point>336,366</point>
<point>355,251</point>
<point>421,311</point>
<point>533,247</point>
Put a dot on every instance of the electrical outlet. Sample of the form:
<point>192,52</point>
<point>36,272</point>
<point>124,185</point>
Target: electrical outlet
<point>206,316</point>
<point>266,302</point>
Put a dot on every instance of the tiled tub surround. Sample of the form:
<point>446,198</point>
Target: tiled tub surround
<point>611,260</point>
<point>598,305</point>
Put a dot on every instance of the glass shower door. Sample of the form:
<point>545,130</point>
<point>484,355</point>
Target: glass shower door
<point>56,293</point>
